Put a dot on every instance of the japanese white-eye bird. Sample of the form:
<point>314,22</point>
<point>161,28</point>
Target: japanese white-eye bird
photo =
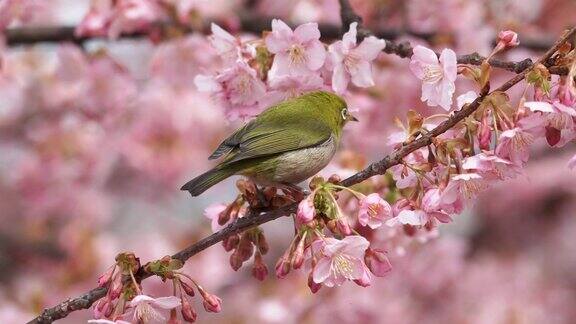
<point>284,145</point>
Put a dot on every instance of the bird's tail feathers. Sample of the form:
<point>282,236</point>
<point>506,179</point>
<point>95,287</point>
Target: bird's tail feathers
<point>204,181</point>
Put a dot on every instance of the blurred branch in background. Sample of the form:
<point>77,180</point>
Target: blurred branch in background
<point>257,217</point>
<point>258,24</point>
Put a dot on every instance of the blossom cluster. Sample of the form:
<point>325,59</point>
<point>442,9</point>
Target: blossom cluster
<point>284,64</point>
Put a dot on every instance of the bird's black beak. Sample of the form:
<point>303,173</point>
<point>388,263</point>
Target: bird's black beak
<point>352,118</point>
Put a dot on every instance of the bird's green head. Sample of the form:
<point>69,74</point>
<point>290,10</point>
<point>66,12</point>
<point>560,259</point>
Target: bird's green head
<point>332,107</point>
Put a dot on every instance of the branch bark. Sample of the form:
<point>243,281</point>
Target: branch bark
<point>255,218</point>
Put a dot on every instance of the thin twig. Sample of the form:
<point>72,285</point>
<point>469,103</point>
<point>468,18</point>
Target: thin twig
<point>253,219</point>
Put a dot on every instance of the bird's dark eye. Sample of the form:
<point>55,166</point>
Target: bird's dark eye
<point>344,113</point>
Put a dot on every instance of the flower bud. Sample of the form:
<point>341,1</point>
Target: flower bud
<point>224,215</point>
<point>188,313</point>
<point>259,270</point>
<point>263,246</point>
<point>173,317</point>
<point>343,226</point>
<point>377,262</point>
<point>245,248</point>
<point>236,260</point>
<point>314,287</point>
<point>187,288</point>
<point>334,179</point>
<point>231,242</point>
<point>508,38</point>
<point>306,211</point>
<point>282,267</point>
<point>212,303</point>
<point>484,136</point>
<point>298,254</point>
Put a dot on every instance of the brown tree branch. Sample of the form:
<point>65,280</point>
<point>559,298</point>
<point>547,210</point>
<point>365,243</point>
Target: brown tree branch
<point>254,218</point>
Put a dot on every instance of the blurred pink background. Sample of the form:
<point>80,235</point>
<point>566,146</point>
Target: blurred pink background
<point>96,141</point>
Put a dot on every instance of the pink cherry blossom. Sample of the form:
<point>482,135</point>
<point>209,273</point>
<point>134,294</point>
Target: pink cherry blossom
<point>514,144</point>
<point>507,38</point>
<point>341,260</point>
<point>145,309</point>
<point>436,208</point>
<point>465,185</point>
<point>226,45</point>
<point>373,211</point>
<point>306,211</point>
<point>438,75</point>
<point>352,62</point>
<point>410,217</point>
<point>491,167</point>
<point>297,52</point>
<point>238,87</point>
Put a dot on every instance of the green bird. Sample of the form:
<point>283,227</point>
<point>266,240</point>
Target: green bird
<point>284,145</point>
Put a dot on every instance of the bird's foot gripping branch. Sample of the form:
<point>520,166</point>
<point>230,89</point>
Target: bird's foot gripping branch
<point>344,228</point>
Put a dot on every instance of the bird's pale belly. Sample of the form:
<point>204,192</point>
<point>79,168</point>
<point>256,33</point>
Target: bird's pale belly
<point>296,166</point>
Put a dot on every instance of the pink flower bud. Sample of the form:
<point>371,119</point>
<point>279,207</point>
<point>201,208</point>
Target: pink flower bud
<point>298,255</point>
<point>188,313</point>
<point>282,267</point>
<point>262,243</point>
<point>259,270</point>
<point>212,303</point>
<point>373,211</point>
<point>187,288</point>
<point>306,210</point>
<point>173,317</point>
<point>235,260</point>
<point>314,287</point>
<point>245,248</point>
<point>343,226</point>
<point>485,136</point>
<point>231,243</point>
<point>508,38</point>
<point>377,262</point>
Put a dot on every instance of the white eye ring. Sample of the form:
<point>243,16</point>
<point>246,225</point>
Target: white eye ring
<point>344,113</point>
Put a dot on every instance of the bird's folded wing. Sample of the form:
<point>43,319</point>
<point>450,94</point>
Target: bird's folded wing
<point>254,141</point>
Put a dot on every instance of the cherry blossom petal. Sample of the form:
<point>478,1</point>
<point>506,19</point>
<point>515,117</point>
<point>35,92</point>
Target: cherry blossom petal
<point>316,55</point>
<point>340,79</point>
<point>349,38</point>
<point>370,48</point>
<point>449,63</point>
<point>362,76</point>
<point>307,32</point>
